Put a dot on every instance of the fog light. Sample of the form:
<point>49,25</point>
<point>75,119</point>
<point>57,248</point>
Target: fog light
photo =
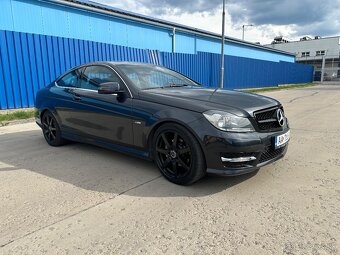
<point>237,160</point>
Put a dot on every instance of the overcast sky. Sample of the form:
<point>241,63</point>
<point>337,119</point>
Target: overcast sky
<point>289,18</point>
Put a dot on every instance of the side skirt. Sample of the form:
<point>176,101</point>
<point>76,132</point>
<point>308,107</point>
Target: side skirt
<point>108,145</point>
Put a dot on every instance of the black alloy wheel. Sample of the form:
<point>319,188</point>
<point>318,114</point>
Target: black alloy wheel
<point>178,154</point>
<point>51,130</point>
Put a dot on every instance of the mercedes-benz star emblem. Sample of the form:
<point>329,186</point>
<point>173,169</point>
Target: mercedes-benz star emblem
<point>280,117</point>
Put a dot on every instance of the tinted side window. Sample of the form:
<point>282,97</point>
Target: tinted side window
<point>93,76</point>
<point>69,80</point>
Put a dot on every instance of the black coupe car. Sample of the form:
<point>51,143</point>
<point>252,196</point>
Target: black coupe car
<point>152,112</point>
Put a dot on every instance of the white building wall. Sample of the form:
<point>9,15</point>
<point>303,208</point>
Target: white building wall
<point>330,45</point>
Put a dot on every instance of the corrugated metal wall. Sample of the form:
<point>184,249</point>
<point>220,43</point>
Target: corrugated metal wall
<point>239,72</point>
<point>29,62</point>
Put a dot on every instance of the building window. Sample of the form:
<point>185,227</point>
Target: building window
<point>305,54</point>
<point>320,52</point>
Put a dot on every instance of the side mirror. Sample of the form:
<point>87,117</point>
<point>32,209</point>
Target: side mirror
<point>110,88</point>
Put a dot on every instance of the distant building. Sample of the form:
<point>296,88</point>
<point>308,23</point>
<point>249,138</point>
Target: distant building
<point>313,51</point>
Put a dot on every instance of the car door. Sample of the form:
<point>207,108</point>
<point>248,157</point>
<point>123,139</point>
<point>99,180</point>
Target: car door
<point>66,102</point>
<point>100,116</point>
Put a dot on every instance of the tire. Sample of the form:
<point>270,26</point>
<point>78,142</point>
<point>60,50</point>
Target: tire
<point>51,130</point>
<point>178,154</point>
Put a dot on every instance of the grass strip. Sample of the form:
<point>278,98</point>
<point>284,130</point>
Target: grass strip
<point>17,115</point>
<point>280,87</point>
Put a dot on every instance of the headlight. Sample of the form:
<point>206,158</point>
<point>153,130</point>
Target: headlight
<point>228,122</point>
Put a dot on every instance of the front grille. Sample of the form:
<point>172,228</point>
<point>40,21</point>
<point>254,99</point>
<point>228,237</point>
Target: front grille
<point>271,153</point>
<point>269,126</point>
<point>266,120</point>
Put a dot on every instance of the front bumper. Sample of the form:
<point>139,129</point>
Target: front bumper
<point>37,117</point>
<point>247,168</point>
<point>38,121</point>
<point>238,153</point>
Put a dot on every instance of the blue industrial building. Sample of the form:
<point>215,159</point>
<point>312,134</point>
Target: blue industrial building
<point>91,21</point>
<point>40,39</point>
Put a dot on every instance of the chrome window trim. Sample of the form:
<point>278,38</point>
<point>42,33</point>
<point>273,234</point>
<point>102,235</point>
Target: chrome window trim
<point>96,91</point>
<point>63,87</point>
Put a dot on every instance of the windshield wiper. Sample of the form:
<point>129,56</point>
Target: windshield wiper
<point>170,85</point>
<point>173,85</point>
<point>153,88</point>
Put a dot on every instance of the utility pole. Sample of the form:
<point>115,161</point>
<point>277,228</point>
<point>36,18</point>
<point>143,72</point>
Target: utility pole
<point>243,26</point>
<point>222,48</point>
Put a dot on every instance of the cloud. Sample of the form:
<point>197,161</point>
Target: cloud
<point>308,16</point>
<point>290,18</point>
<point>183,6</point>
<point>167,7</point>
<point>283,12</point>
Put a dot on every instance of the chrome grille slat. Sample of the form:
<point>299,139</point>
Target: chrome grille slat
<point>266,119</point>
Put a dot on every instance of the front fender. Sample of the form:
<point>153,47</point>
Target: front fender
<point>174,115</point>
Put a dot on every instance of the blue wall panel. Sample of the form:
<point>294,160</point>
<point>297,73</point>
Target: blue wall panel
<point>3,98</point>
<point>19,68</point>
<point>26,69</point>
<point>6,16</point>
<point>7,91</point>
<point>29,62</point>
<point>208,45</point>
<point>185,43</point>
<point>13,71</point>
<point>239,50</point>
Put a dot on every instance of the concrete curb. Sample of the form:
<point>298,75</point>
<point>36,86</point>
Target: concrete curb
<point>15,122</point>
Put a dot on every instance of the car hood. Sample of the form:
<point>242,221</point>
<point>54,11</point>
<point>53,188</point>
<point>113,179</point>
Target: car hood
<point>203,99</point>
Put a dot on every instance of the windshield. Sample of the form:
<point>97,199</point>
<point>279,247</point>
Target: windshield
<point>150,77</point>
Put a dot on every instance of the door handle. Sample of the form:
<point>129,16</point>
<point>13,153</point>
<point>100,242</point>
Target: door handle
<point>76,97</point>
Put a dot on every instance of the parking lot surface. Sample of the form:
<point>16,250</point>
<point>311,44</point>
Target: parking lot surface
<point>80,199</point>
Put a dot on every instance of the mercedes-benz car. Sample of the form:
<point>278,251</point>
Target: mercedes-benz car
<point>152,112</point>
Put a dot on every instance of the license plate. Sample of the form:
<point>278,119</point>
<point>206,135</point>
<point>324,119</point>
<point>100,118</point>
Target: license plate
<point>281,140</point>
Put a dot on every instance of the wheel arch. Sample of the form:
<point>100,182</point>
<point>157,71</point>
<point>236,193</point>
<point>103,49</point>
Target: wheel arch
<point>47,109</point>
<point>43,111</point>
<point>171,121</point>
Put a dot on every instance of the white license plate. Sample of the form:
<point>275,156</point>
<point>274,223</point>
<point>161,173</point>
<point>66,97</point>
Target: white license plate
<point>281,140</point>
